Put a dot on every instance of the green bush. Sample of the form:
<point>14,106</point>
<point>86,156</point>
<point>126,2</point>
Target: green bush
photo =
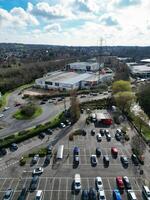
<point>71,137</point>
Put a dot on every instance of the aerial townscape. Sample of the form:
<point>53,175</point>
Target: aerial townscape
<point>74,100</point>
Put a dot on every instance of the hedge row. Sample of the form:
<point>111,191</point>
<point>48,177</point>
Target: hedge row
<point>26,134</point>
<point>96,104</point>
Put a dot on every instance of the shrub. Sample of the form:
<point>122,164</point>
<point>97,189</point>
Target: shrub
<point>71,137</point>
<point>28,109</point>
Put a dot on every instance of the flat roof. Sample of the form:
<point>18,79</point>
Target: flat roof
<point>67,77</point>
<point>146,60</point>
<point>140,68</point>
<point>84,63</point>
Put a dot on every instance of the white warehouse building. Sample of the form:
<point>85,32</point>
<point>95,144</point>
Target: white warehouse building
<point>83,66</point>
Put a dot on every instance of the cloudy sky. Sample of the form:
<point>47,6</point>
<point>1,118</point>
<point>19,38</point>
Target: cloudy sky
<point>75,22</point>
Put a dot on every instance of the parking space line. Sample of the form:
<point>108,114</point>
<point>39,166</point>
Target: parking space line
<point>66,189</point>
<point>85,156</point>
<point>3,184</point>
<point>136,182</point>
<point>109,184</point>
<point>52,188</point>
<point>45,187</point>
<point>15,188</point>
<point>59,189</point>
<point>88,183</point>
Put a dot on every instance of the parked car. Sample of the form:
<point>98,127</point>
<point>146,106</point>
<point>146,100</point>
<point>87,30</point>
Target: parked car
<point>17,104</point>
<point>42,135</point>
<point>98,152</point>
<point>8,194</point>
<point>99,137</point>
<point>3,152</point>
<point>124,161</point>
<point>47,159</point>
<point>93,132</point>
<point>13,147</point>
<point>146,192</point>
<point>119,182</point>
<point>101,195</point>
<point>117,136</point>
<point>114,152</point>
<point>85,195</point>
<point>92,194</point>
<point>62,125</point>
<point>76,151</point>
<point>134,159</point>
<point>76,159</point>
<point>23,194</point>
<point>93,160</point>
<point>49,149</point>
<point>106,160</point>
<point>35,159</point>
<point>42,102</point>
<point>131,195</point>
<point>1,115</point>
<point>77,182</point>
<point>99,183</point>
<point>38,171</point>
<point>108,137</point>
<point>127,183</point>
<point>49,131</point>
<point>6,108</point>
<point>39,195</point>
<point>102,132</point>
<point>116,195</point>
<point>34,183</point>
<point>67,122</point>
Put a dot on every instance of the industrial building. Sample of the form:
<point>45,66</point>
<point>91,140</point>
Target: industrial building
<point>139,71</point>
<point>76,75</point>
<point>83,66</point>
<point>66,80</point>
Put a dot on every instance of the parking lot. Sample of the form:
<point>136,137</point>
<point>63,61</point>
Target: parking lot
<point>57,178</point>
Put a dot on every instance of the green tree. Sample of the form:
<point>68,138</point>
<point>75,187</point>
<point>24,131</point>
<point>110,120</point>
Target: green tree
<point>124,100</point>
<point>138,145</point>
<point>28,109</point>
<point>121,86</point>
<point>74,108</point>
<point>144,98</point>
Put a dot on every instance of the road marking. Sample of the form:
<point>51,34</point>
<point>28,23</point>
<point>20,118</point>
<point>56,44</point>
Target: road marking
<point>15,188</point>
<point>66,189</point>
<point>52,188</point>
<point>3,184</point>
<point>88,183</point>
<point>59,189</point>
<point>45,187</point>
<point>85,156</point>
<point>109,184</point>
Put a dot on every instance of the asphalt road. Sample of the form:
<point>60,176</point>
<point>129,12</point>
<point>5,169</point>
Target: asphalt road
<point>11,125</point>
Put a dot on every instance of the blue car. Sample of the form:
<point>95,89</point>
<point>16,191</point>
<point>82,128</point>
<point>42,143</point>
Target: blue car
<point>76,151</point>
<point>116,195</point>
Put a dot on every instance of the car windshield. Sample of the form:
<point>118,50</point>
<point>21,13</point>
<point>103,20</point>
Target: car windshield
<point>99,183</point>
<point>77,184</point>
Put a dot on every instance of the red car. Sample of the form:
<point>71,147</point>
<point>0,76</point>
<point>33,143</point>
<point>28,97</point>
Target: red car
<point>119,182</point>
<point>114,151</point>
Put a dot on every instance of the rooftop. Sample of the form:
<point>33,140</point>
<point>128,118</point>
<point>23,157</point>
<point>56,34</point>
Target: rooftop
<point>140,68</point>
<point>146,60</point>
<point>67,77</point>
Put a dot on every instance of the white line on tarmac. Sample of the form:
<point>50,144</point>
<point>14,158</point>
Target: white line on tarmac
<point>59,189</point>
<point>52,188</point>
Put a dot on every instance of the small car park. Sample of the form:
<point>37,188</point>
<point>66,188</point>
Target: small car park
<point>124,161</point>
<point>93,160</point>
<point>8,194</point>
<point>92,194</point>
<point>127,183</point>
<point>134,159</point>
<point>119,182</point>
<point>116,195</point>
<point>34,183</point>
<point>38,171</point>
<point>99,183</point>
<point>35,159</point>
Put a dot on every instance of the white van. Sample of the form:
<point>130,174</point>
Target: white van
<point>131,195</point>
<point>77,182</point>
<point>146,192</point>
<point>39,195</point>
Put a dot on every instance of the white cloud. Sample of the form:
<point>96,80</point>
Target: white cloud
<point>52,28</point>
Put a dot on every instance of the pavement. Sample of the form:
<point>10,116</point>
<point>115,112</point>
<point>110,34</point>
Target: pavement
<point>57,178</point>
